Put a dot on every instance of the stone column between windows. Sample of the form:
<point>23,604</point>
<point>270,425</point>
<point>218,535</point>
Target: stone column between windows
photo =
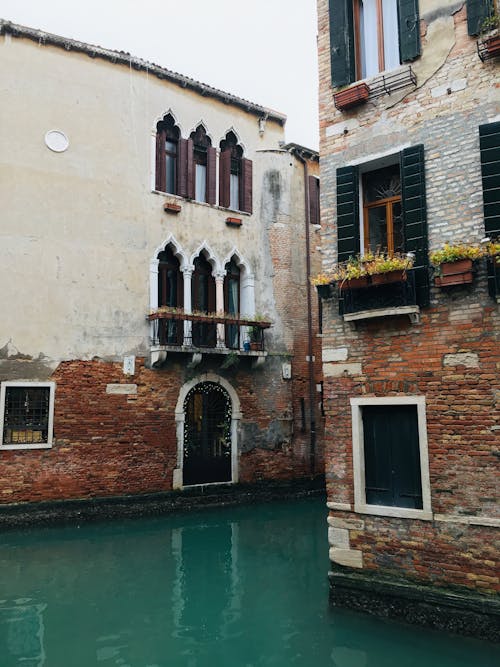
<point>153,295</point>
<point>219,306</point>
<point>187,273</point>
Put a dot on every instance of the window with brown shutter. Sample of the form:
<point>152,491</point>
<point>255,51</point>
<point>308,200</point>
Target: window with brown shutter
<point>167,155</point>
<point>200,178</point>
<point>314,215</point>
<point>231,186</point>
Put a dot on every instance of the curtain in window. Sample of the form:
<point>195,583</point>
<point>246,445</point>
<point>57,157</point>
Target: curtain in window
<point>368,38</point>
<point>391,42</point>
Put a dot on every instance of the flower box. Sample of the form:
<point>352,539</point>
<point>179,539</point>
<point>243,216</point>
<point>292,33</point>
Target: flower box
<point>351,97</point>
<point>325,291</point>
<point>489,47</point>
<point>455,273</point>
<point>234,222</point>
<point>388,277</point>
<point>171,207</point>
<point>356,283</point>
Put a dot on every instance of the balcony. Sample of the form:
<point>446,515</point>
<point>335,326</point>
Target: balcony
<point>173,330</point>
<point>379,296</point>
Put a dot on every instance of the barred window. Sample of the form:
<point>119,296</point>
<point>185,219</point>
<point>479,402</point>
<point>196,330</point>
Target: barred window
<point>26,411</point>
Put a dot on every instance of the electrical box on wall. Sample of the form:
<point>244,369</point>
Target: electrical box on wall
<point>286,370</point>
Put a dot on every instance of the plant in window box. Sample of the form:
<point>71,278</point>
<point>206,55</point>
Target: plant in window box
<point>489,40</point>
<point>353,274</point>
<point>255,336</point>
<point>323,283</point>
<point>453,263</point>
<point>389,268</point>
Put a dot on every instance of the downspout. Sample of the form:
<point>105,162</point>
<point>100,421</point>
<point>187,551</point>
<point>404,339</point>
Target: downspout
<point>312,385</point>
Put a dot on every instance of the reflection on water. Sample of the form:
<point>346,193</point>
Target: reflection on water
<point>238,587</point>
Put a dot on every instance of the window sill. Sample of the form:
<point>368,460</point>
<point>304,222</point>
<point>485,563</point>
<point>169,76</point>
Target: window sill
<point>413,313</point>
<point>39,445</point>
<point>396,512</point>
<point>187,200</point>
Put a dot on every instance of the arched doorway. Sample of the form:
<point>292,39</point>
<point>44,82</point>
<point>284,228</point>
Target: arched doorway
<point>207,435</point>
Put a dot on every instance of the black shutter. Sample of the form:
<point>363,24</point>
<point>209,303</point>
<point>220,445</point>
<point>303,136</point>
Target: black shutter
<point>342,62</point>
<point>224,176</point>
<point>477,12</point>
<point>211,166</point>
<point>409,30</point>
<point>246,180</point>
<point>314,218</point>
<point>415,216</point>
<point>348,222</point>
<point>392,456</point>
<point>489,144</point>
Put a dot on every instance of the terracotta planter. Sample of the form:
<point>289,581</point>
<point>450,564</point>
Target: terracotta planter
<point>351,97</point>
<point>255,346</point>
<point>356,283</point>
<point>455,273</point>
<point>489,47</point>
<point>389,277</point>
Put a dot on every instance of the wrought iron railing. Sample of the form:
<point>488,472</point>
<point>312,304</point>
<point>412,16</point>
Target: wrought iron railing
<point>378,295</point>
<point>170,328</point>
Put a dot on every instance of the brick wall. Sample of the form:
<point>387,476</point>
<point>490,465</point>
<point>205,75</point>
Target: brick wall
<point>452,356</point>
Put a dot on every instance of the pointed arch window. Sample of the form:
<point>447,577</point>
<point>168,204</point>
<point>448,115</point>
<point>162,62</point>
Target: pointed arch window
<point>235,176</point>
<point>170,293</point>
<point>201,167</point>
<point>168,161</point>
<point>203,301</point>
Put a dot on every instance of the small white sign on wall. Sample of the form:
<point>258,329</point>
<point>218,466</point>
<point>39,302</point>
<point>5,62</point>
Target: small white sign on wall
<point>286,370</point>
<point>129,365</point>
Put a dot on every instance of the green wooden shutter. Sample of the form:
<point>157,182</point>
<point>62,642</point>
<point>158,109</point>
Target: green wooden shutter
<point>489,145</point>
<point>409,30</point>
<point>415,216</point>
<point>348,222</point>
<point>342,62</point>
<point>477,12</point>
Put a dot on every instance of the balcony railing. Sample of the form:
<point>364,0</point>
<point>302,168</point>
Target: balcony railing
<point>222,333</point>
<point>378,298</point>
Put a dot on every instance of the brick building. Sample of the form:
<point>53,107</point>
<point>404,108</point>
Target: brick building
<point>410,159</point>
<point>155,255</point>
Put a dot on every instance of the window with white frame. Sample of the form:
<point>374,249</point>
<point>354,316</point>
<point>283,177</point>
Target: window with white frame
<point>390,457</point>
<point>26,415</point>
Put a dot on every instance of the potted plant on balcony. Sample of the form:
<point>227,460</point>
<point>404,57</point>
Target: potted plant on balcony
<point>488,44</point>
<point>353,273</point>
<point>255,337</point>
<point>389,268</point>
<point>323,283</point>
<point>453,264</point>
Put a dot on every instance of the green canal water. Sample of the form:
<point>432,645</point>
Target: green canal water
<point>235,587</point>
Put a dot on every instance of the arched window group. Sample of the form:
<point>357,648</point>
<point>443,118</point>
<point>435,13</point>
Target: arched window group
<point>187,167</point>
<point>202,285</point>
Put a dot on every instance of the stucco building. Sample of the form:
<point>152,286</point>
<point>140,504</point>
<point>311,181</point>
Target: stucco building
<point>410,159</point>
<point>157,326</point>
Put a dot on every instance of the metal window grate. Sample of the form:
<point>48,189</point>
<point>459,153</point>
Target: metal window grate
<point>26,417</point>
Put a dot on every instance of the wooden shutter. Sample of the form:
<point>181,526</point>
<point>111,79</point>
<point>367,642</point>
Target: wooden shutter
<point>224,177</point>
<point>160,177</point>
<point>246,182</point>
<point>489,145</point>
<point>477,12</point>
<point>348,222</point>
<point>409,30</point>
<point>415,216</point>
<point>392,456</point>
<point>314,217</point>
<point>211,167</point>
<point>342,60</point>
<point>182,151</point>
<point>190,184</point>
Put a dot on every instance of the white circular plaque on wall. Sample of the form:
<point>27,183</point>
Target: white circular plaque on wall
<point>56,140</point>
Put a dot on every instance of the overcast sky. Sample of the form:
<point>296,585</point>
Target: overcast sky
<point>262,50</point>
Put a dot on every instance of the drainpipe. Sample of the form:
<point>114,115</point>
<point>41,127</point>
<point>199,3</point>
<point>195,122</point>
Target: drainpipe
<point>312,386</point>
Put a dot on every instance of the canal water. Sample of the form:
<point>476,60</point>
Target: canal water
<point>236,587</point>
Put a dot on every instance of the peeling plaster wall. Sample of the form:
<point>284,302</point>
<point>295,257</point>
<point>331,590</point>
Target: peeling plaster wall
<point>79,228</point>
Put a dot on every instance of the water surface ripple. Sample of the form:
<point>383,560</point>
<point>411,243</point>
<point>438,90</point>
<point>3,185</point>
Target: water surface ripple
<point>235,587</point>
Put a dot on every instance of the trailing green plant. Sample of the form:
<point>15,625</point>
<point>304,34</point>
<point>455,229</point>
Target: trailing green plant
<point>490,24</point>
<point>454,253</point>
